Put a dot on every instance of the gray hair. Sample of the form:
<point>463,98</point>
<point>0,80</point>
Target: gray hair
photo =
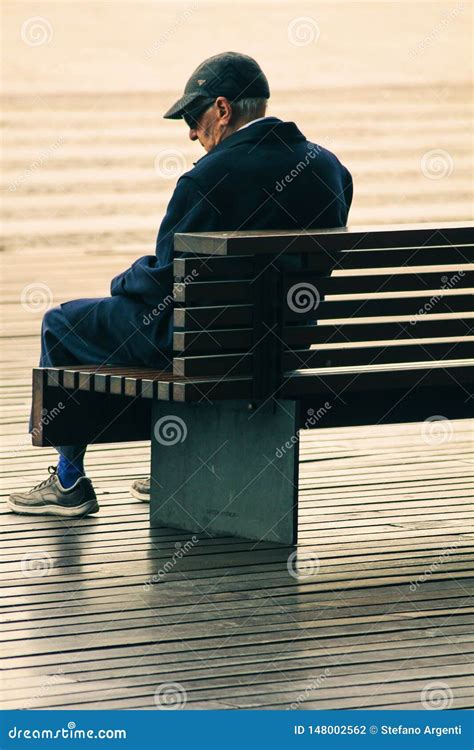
<point>249,109</point>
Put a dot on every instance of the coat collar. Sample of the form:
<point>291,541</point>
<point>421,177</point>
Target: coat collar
<point>269,130</point>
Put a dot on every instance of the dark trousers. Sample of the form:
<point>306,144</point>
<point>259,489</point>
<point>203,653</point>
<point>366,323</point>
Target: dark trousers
<point>106,331</point>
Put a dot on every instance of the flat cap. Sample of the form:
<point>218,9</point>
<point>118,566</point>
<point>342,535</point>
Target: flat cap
<point>229,74</point>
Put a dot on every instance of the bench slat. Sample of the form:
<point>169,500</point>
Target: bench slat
<point>347,282</point>
<point>312,241</point>
<point>241,363</point>
<point>216,316</point>
<point>241,316</point>
<point>212,390</point>
<point>240,291</point>
<point>454,326</point>
<point>120,381</point>
<point>398,352</point>
<point>417,307</point>
<point>202,269</point>
<point>403,260</point>
<point>240,340</point>
<point>332,382</point>
<point>207,292</point>
<point>220,365</point>
<point>403,257</point>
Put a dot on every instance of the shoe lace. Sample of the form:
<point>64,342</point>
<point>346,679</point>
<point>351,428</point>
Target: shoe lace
<point>53,472</point>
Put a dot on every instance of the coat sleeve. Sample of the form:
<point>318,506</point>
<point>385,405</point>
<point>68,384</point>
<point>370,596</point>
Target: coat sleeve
<point>150,278</point>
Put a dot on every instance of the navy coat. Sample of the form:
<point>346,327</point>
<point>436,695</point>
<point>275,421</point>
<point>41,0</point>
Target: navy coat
<point>265,176</point>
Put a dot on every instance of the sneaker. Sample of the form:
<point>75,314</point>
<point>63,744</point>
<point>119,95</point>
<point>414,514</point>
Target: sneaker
<point>141,489</point>
<point>49,498</point>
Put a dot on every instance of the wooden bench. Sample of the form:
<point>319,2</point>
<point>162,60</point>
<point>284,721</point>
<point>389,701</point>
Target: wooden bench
<point>273,332</point>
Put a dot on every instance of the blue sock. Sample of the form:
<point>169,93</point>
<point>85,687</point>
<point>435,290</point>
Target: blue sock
<point>70,471</point>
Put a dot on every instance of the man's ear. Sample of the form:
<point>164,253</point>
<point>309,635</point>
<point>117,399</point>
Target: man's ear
<point>224,108</point>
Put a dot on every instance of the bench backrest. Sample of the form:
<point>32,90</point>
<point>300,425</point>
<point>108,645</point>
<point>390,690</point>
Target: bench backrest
<point>271,313</point>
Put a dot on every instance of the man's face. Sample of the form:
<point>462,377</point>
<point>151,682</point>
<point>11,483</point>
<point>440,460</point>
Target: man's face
<point>213,125</point>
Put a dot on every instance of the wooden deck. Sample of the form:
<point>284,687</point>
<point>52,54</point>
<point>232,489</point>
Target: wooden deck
<point>380,610</point>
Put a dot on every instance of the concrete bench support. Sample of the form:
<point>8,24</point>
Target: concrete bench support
<point>224,469</point>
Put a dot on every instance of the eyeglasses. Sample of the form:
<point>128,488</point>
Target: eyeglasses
<point>191,118</point>
<point>190,121</point>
